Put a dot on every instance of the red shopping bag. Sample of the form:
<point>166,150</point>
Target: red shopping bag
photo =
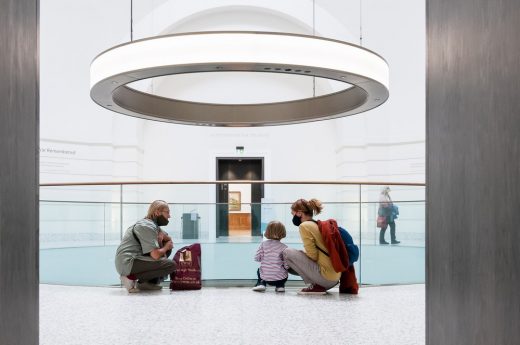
<point>381,222</point>
<point>187,276</point>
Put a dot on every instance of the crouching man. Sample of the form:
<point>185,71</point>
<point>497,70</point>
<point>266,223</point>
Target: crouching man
<point>142,257</point>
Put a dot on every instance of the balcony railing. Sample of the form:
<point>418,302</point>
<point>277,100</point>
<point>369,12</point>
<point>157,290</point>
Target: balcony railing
<point>81,225</point>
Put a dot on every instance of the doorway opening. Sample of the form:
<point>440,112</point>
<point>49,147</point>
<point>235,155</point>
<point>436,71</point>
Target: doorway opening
<point>238,208</point>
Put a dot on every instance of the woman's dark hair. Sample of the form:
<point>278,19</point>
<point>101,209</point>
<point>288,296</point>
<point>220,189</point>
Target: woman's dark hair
<point>275,231</point>
<point>311,208</point>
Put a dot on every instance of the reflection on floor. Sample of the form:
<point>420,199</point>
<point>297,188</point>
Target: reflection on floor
<point>89,315</point>
<point>239,233</point>
<point>239,238</point>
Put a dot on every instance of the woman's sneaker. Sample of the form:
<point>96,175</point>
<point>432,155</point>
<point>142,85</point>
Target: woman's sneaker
<point>280,289</point>
<point>259,288</point>
<point>313,289</point>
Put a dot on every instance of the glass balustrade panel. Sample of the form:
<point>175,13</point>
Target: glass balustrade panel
<point>78,239</point>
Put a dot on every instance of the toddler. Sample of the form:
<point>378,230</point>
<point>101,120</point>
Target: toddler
<point>273,269</point>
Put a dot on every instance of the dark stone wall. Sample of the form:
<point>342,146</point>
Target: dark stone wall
<point>473,172</point>
<point>19,138</point>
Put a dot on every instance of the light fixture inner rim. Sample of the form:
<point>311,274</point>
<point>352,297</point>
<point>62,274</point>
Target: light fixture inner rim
<point>106,91</point>
<point>337,88</point>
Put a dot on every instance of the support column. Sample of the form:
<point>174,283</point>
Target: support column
<point>473,172</point>
<point>19,138</point>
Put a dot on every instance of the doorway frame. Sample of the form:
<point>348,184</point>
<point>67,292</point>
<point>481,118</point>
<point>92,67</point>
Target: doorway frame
<point>218,188</point>
<point>212,163</point>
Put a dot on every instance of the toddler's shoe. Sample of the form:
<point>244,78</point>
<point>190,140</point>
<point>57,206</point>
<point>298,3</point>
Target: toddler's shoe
<point>280,289</point>
<point>259,288</point>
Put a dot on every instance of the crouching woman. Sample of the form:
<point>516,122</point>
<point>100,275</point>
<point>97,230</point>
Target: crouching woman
<point>313,264</point>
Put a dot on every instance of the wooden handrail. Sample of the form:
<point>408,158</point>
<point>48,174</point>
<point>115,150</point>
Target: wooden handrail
<point>67,184</point>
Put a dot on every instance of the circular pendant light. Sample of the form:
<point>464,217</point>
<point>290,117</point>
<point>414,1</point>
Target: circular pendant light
<point>364,72</point>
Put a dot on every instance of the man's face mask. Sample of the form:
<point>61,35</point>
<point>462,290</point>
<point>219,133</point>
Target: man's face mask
<point>296,220</point>
<point>161,220</point>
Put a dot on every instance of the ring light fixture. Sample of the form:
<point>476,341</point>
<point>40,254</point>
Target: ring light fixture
<point>364,72</point>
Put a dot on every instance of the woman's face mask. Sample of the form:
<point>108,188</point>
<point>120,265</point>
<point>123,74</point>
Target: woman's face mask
<point>296,220</point>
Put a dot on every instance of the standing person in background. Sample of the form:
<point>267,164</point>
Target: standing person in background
<point>142,257</point>
<point>389,211</point>
<point>273,269</point>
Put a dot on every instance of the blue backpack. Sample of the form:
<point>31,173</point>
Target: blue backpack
<point>352,249</point>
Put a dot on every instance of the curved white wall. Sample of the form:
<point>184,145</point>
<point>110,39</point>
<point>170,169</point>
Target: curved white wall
<point>83,142</point>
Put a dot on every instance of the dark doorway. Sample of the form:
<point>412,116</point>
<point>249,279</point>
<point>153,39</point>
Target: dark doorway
<point>236,169</point>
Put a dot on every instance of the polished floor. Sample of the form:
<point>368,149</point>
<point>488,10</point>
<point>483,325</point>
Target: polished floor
<point>385,315</point>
